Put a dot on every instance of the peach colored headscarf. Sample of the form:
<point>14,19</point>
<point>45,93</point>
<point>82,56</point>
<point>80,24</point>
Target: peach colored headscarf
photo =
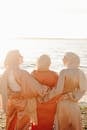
<point>43,62</point>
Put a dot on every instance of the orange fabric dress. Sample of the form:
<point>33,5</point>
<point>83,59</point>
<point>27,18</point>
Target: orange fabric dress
<point>46,111</point>
<point>21,105</point>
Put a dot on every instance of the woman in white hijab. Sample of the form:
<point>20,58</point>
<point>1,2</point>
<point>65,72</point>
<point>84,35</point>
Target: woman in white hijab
<point>72,84</point>
<point>19,91</point>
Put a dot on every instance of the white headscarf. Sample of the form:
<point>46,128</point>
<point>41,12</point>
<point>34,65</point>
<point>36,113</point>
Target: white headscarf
<point>72,59</point>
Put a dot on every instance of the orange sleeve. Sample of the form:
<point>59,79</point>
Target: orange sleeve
<point>49,78</point>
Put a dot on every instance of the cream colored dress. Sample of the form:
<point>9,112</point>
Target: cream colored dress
<point>73,84</point>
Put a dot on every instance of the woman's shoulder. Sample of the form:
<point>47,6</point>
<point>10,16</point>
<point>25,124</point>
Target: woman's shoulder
<point>48,72</point>
<point>21,73</point>
<point>65,72</point>
<point>54,73</point>
<point>72,72</point>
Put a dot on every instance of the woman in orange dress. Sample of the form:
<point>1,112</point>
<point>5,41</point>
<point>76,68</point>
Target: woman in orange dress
<point>73,84</point>
<point>46,110</point>
<point>19,93</point>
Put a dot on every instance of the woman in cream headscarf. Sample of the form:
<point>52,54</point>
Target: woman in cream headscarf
<point>72,84</point>
<point>45,76</point>
<point>19,92</point>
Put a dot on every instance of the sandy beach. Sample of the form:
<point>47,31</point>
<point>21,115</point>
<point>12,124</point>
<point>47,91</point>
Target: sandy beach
<point>83,115</point>
<point>83,107</point>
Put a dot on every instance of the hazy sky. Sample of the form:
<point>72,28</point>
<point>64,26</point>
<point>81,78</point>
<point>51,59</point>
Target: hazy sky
<point>43,18</point>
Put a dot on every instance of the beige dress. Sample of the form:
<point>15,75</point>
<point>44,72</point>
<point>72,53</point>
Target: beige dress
<point>73,84</point>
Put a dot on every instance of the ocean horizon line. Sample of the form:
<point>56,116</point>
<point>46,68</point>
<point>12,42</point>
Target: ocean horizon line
<point>47,38</point>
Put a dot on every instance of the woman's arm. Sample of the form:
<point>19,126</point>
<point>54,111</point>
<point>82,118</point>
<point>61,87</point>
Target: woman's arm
<point>60,85</point>
<point>82,82</point>
<point>82,86</point>
<point>30,87</point>
<point>78,94</point>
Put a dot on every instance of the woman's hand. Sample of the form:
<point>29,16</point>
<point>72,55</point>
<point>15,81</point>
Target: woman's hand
<point>45,90</point>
